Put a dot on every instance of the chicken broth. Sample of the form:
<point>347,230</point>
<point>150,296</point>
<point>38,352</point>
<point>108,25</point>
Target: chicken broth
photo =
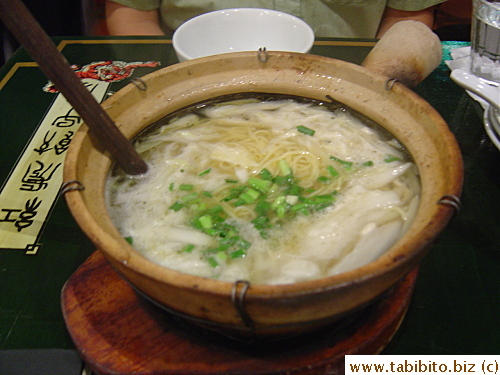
<point>269,191</point>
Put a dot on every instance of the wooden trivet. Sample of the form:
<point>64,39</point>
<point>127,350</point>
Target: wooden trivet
<point>119,332</point>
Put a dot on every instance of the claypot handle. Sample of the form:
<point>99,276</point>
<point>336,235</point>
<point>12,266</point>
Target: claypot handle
<point>409,51</point>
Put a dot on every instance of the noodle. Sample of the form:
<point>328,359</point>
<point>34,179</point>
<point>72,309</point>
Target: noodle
<point>338,196</point>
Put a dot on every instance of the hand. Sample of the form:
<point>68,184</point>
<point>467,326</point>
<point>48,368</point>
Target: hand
<point>392,16</point>
<point>123,20</point>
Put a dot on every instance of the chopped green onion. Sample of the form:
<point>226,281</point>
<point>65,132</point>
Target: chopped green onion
<point>243,244</point>
<point>211,232</point>
<point>239,202</point>
<point>324,198</point>
<point>391,158</point>
<point>333,172</point>
<point>368,163</point>
<point>216,209</point>
<point>280,180</point>
<point>227,242</point>
<point>240,253</point>
<point>221,256</point>
<point>304,211</point>
<point>260,185</point>
<point>206,221</point>
<point>262,207</point>
<point>261,222</point>
<point>202,206</point>
<point>280,211</point>
<point>320,202</point>
<point>232,233</point>
<point>130,240</point>
<point>324,179</point>
<point>205,172</point>
<point>265,174</point>
<point>294,189</point>
<point>284,167</point>
<point>346,164</point>
<point>274,188</point>
<point>189,198</point>
<point>234,193</point>
<point>299,206</point>
<point>281,200</point>
<point>171,186</point>
<point>176,206</point>
<point>218,249</point>
<point>253,193</point>
<point>305,130</point>
<point>273,199</point>
<point>250,196</point>
<point>212,262</point>
<point>187,248</point>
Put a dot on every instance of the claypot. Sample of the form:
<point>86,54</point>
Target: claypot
<point>268,310</point>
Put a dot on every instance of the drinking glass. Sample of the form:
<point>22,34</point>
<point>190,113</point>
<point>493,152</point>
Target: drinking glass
<point>485,40</point>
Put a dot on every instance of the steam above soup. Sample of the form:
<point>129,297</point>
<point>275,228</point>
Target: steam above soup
<point>269,191</point>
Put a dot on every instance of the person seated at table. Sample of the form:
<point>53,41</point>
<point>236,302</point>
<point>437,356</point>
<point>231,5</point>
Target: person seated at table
<point>328,18</point>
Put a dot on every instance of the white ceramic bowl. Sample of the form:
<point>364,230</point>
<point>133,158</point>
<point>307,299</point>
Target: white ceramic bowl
<point>241,29</point>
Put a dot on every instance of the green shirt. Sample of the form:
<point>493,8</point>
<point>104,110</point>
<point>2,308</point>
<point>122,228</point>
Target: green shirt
<point>328,18</point>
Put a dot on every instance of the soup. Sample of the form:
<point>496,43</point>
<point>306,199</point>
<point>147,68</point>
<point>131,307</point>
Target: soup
<point>269,191</point>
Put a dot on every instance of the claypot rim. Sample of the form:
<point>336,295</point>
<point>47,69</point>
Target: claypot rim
<point>392,259</point>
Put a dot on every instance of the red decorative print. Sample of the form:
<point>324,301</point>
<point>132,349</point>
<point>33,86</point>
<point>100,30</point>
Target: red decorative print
<point>108,71</point>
